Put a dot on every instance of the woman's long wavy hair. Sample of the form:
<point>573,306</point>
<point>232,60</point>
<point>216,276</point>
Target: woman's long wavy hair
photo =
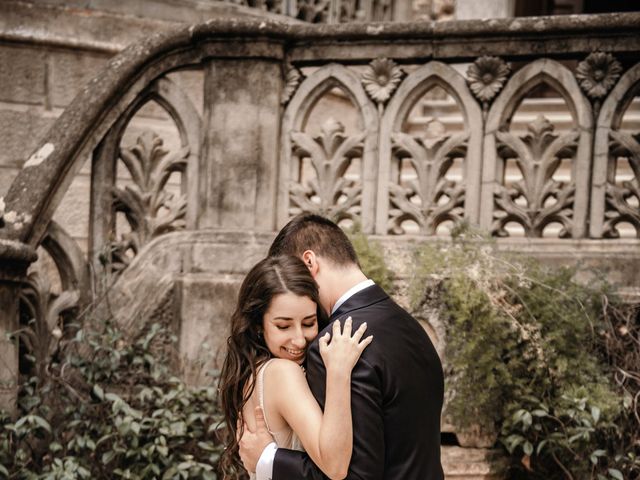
<point>246,347</point>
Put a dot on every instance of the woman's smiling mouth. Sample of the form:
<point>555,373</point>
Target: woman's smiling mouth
<point>294,352</point>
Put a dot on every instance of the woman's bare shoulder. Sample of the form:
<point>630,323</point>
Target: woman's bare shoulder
<point>284,366</point>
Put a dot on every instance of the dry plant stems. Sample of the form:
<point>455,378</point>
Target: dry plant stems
<point>526,344</point>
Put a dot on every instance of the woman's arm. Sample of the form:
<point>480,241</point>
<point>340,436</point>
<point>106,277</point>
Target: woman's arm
<point>328,437</point>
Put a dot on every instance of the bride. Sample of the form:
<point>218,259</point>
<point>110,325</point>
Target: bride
<point>276,318</point>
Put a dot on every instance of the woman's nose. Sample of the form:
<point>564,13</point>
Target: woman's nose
<point>299,341</point>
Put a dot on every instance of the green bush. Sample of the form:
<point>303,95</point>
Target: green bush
<point>523,361</point>
<point>110,408</point>
<point>371,258</point>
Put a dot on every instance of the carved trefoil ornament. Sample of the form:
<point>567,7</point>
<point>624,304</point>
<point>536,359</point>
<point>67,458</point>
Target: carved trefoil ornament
<point>429,198</point>
<point>293,78</point>
<point>381,78</point>
<point>623,198</point>
<point>149,208</point>
<point>486,77</point>
<point>537,199</point>
<point>328,191</point>
<point>597,74</point>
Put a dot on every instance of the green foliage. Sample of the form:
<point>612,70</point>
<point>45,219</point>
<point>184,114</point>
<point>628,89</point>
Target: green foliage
<point>371,258</point>
<point>523,360</point>
<point>111,408</point>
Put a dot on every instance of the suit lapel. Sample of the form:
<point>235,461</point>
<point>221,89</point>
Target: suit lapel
<point>361,299</point>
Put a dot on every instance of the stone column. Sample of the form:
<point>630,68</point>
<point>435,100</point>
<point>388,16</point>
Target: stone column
<point>238,169</point>
<point>15,258</point>
<point>470,9</point>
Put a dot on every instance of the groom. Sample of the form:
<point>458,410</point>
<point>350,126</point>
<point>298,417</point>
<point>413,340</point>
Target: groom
<point>396,386</point>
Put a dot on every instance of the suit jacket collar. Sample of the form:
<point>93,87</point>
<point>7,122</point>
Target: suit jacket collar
<point>363,298</point>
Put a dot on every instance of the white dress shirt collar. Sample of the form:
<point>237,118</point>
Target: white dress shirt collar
<point>351,292</point>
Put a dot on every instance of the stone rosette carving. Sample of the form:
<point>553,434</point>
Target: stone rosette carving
<point>537,199</point>
<point>293,78</point>
<point>622,198</point>
<point>598,73</point>
<point>12,218</point>
<point>149,208</point>
<point>430,198</point>
<point>328,192</point>
<point>381,78</point>
<point>486,77</point>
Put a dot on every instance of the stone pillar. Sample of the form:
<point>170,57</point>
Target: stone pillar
<point>470,9</point>
<point>402,10</point>
<point>238,169</point>
<point>15,258</point>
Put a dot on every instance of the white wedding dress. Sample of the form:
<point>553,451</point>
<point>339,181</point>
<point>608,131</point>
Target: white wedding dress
<point>284,438</point>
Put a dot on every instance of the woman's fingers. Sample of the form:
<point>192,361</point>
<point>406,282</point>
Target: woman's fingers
<point>348,323</point>
<point>324,341</point>
<point>360,332</point>
<point>364,343</point>
<point>261,423</point>
<point>336,329</point>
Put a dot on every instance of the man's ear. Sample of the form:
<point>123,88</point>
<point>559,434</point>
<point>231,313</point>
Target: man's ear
<point>311,261</point>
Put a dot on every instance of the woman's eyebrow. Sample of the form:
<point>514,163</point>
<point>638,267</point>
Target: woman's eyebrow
<point>288,319</point>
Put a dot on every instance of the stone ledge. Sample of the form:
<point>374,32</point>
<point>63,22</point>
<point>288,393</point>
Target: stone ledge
<point>113,25</point>
<point>470,463</point>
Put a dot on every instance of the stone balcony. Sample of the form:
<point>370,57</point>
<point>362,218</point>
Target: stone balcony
<point>192,147</point>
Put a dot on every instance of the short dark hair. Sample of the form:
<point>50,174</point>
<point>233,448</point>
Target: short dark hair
<point>313,232</point>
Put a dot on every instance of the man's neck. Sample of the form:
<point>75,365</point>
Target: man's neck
<point>344,280</point>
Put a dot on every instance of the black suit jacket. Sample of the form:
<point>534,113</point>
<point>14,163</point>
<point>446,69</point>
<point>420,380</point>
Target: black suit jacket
<point>397,391</point>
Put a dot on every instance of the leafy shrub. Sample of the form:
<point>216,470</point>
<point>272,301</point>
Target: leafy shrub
<point>524,361</point>
<point>110,408</point>
<point>371,258</point>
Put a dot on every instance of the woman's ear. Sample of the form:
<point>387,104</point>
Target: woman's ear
<point>311,261</point>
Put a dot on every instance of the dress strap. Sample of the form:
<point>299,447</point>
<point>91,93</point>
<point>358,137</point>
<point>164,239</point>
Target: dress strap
<point>260,387</point>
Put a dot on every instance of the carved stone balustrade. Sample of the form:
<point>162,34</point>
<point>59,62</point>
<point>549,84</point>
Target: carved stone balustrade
<point>528,129</point>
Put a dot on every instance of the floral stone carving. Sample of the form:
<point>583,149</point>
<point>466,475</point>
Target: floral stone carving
<point>598,73</point>
<point>149,209</point>
<point>620,204</point>
<point>292,81</point>
<point>430,198</point>
<point>381,78</point>
<point>537,199</point>
<point>42,311</point>
<point>329,192</point>
<point>486,77</point>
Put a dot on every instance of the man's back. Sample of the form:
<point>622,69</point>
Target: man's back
<point>397,393</point>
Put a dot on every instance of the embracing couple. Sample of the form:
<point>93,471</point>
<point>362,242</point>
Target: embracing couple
<point>368,405</point>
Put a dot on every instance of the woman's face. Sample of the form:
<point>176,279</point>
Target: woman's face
<point>290,324</point>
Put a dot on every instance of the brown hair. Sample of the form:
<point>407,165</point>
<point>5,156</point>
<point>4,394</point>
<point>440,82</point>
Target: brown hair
<point>246,348</point>
<point>313,232</point>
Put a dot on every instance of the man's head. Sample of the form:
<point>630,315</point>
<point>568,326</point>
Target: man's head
<point>325,250</point>
<point>318,234</point>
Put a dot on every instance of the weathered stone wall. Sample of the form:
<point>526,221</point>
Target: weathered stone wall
<point>51,49</point>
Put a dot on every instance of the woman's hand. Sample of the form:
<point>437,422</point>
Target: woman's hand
<point>340,350</point>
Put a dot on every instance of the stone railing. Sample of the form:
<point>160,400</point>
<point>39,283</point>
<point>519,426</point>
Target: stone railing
<point>333,11</point>
<point>526,128</point>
